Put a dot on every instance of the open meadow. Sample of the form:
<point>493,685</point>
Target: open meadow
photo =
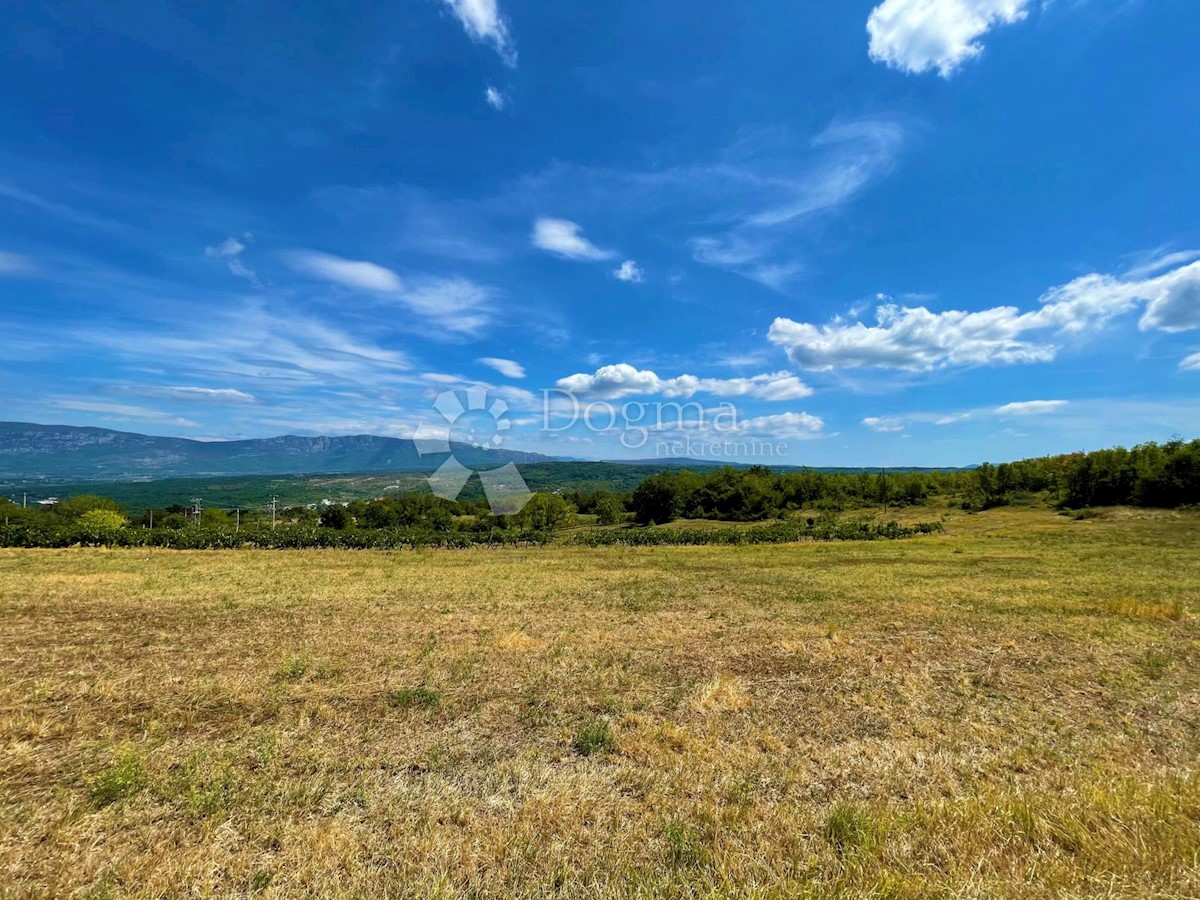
<point>1011,709</point>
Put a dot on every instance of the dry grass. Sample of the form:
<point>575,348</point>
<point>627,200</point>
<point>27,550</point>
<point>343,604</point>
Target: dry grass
<point>1012,710</point>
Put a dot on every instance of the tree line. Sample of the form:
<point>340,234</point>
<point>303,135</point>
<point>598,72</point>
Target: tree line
<point>1159,475</point>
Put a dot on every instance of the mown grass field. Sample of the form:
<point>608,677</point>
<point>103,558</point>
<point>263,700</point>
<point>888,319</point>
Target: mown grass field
<point>1010,710</point>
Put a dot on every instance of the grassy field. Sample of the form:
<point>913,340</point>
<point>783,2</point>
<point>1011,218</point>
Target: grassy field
<point>1010,710</point>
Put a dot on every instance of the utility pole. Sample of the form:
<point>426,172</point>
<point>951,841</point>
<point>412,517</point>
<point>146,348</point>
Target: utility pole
<point>238,525</point>
<point>273,505</point>
<point>196,509</point>
<point>152,518</point>
<point>883,475</point>
<point>24,499</point>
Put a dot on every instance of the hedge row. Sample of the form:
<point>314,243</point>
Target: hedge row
<point>300,538</point>
<point>780,533</point>
<point>289,538</point>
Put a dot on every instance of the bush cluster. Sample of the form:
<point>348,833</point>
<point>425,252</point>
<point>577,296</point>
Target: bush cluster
<point>292,538</point>
<point>779,533</point>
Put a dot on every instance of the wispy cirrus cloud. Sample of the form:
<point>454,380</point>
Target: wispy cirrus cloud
<point>1016,409</point>
<point>752,208</point>
<point>1030,408</point>
<point>188,393</point>
<point>351,273</point>
<point>919,340</point>
<point>495,98</point>
<point>123,411</point>
<point>279,352</point>
<point>565,238</point>
<point>507,367</point>
<point>455,305</point>
<point>484,24</point>
<point>230,252</point>
<point>918,35</point>
<point>14,264</point>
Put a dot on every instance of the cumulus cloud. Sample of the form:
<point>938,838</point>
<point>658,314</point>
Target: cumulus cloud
<point>495,98</point>
<point>918,35</point>
<point>623,380</point>
<point>506,367</point>
<point>564,238</point>
<point>484,24</point>
<point>918,340</point>
<point>884,423</point>
<point>1030,408</point>
<point>629,271</point>
<point>1191,363</point>
<point>797,426</point>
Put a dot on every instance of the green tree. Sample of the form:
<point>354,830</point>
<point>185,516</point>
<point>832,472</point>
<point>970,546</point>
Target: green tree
<point>101,520</point>
<point>72,508</point>
<point>656,499</point>
<point>544,512</point>
<point>609,510</point>
<point>335,516</point>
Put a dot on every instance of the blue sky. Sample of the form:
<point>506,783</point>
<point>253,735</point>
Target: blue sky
<point>924,232</point>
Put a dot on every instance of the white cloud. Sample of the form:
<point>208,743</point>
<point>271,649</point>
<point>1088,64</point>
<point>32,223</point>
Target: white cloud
<point>14,264</point>
<point>231,246</point>
<point>952,418</point>
<point>506,367</point>
<point>629,271</point>
<point>623,380</point>
<point>495,98</point>
<point>563,238</point>
<point>797,426</point>
<point>888,424</point>
<point>1030,408</point>
<point>916,339</point>
<point>884,423</point>
<point>484,24</point>
<point>230,251</point>
<point>347,272</point>
<point>455,304</point>
<point>1173,301</point>
<point>775,276</point>
<point>1191,363</point>
<point>124,411</point>
<point>278,352</point>
<point>209,395</point>
<point>918,35</point>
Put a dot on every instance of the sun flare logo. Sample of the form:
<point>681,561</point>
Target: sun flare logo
<point>468,424</point>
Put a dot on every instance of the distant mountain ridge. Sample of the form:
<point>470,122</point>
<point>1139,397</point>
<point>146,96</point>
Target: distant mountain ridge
<point>34,451</point>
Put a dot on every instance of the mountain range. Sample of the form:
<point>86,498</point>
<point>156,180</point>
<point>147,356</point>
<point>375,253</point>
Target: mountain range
<point>29,451</point>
